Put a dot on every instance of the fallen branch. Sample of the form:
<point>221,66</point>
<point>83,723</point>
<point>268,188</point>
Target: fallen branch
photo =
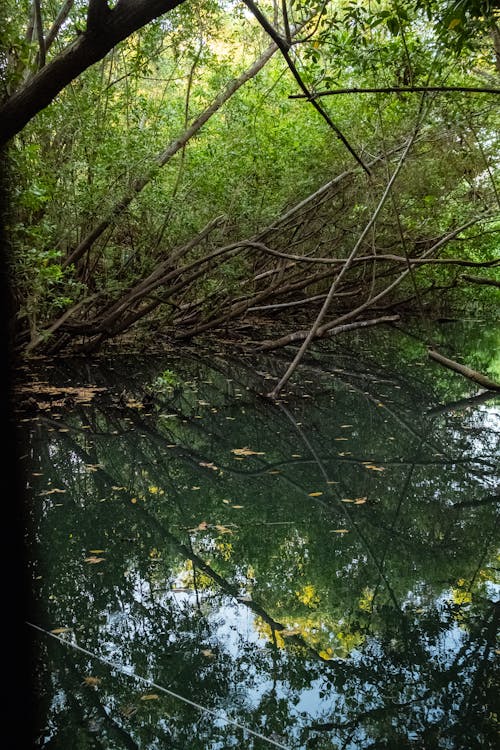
<point>479,280</point>
<point>300,335</point>
<point>467,372</point>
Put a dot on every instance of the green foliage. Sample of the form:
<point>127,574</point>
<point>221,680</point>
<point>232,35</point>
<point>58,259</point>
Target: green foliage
<point>259,154</point>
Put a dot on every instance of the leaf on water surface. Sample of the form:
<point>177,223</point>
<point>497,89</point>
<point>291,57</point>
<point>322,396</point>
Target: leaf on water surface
<point>196,488</point>
<point>58,631</point>
<point>94,560</point>
<point>223,529</point>
<point>315,494</point>
<point>51,492</point>
<point>209,465</point>
<point>347,500</point>
<point>246,452</point>
<point>296,455</point>
<point>330,481</point>
<point>237,506</point>
<point>339,531</point>
<point>208,653</point>
<point>133,500</point>
<point>288,632</point>
<point>372,467</point>
<point>150,697</point>
<point>203,526</point>
<point>341,438</point>
<point>117,489</point>
<point>155,490</point>
<point>92,681</point>
<point>344,426</point>
<point>96,551</point>
<point>360,500</point>
<point>133,404</point>
<point>274,471</point>
<point>227,502</point>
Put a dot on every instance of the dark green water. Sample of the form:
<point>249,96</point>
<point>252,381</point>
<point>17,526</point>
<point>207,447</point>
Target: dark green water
<point>323,572</point>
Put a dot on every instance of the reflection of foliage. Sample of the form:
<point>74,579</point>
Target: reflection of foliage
<point>224,575</point>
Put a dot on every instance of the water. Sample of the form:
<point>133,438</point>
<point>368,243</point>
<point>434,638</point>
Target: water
<point>321,573</point>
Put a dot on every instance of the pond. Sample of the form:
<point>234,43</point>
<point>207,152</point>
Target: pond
<point>212,570</point>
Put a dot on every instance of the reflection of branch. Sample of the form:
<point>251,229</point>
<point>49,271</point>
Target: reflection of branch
<point>462,403</point>
<point>219,715</point>
<point>342,505</point>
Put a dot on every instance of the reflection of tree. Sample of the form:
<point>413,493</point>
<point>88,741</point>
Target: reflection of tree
<point>416,657</point>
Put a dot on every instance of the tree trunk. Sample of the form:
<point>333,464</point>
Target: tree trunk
<point>90,47</point>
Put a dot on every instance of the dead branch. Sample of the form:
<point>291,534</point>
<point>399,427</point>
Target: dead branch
<point>467,372</point>
<point>480,280</point>
<point>330,330</point>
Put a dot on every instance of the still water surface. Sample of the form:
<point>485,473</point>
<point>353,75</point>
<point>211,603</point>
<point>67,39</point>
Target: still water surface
<point>321,573</point>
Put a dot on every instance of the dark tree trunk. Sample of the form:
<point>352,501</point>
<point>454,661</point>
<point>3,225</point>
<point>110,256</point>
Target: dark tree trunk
<point>105,29</point>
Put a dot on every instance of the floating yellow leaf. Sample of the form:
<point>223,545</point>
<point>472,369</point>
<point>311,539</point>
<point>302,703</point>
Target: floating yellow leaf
<point>196,488</point>
<point>341,438</point>
<point>51,492</point>
<point>93,560</point>
<point>246,452</point>
<point>203,526</point>
<point>340,531</point>
<point>237,506</point>
<point>360,500</point>
<point>150,697</point>
<point>58,631</point>
<point>315,494</point>
<point>347,500</point>
<point>288,632</point>
<point>117,489</point>
<point>209,465</point>
<point>96,551</point>
<point>223,529</point>
<point>373,467</point>
<point>208,653</point>
<point>133,499</point>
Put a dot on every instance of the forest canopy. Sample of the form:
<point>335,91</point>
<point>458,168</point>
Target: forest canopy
<point>176,168</point>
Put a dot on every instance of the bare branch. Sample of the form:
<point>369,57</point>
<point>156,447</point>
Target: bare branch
<point>397,90</point>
